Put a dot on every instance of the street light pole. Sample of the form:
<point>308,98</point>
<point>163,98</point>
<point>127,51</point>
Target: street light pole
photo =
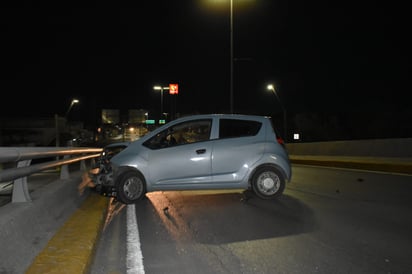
<point>161,88</point>
<point>57,123</point>
<point>272,88</point>
<point>231,56</point>
<point>161,102</point>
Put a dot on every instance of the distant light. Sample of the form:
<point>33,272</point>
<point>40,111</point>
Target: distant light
<point>296,136</point>
<point>160,88</point>
<point>173,89</point>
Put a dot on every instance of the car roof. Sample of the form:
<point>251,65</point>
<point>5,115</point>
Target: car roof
<point>221,115</point>
<point>199,116</point>
<point>210,116</point>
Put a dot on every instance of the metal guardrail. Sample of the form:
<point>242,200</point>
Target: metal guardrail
<point>21,158</point>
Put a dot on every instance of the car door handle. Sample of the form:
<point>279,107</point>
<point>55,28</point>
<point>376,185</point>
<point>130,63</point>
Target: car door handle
<point>201,151</point>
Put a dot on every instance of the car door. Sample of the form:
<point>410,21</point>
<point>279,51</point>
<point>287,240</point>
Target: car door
<point>186,161</point>
<point>238,147</point>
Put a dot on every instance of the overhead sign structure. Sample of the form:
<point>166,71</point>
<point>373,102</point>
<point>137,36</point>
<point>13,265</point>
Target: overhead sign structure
<point>173,89</point>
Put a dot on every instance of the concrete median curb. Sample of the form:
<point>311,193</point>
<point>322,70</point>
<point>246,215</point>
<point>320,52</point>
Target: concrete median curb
<point>71,249</point>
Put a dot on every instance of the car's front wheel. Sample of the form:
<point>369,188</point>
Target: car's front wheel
<point>130,187</point>
<point>268,182</point>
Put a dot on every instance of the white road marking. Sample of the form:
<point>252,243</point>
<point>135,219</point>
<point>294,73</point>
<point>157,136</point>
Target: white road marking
<point>134,260</point>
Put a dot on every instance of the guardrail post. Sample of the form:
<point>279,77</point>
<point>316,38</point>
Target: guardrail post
<point>93,163</point>
<point>83,165</point>
<point>64,172</point>
<point>20,189</point>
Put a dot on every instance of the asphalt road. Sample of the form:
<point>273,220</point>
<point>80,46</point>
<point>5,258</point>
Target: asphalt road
<point>329,221</point>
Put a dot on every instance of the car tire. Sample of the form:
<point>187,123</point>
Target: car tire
<point>268,182</point>
<point>130,187</point>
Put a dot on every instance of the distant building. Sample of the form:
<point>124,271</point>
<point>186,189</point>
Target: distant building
<point>110,116</point>
<point>137,116</point>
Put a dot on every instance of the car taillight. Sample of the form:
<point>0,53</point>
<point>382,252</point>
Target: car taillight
<point>280,141</point>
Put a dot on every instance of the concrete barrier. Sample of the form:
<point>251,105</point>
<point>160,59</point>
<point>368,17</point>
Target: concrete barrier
<point>26,228</point>
<point>398,148</point>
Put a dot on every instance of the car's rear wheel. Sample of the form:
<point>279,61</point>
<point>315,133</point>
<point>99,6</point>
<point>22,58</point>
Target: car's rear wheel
<point>268,182</point>
<point>130,187</point>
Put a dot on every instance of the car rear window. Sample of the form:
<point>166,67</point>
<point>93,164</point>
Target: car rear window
<point>232,128</point>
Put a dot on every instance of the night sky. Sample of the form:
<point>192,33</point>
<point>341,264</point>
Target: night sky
<point>321,55</point>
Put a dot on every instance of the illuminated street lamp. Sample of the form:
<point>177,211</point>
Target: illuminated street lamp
<point>74,101</point>
<point>272,88</point>
<point>161,97</point>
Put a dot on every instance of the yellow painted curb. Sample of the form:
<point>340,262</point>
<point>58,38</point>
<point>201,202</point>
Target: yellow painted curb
<point>71,249</point>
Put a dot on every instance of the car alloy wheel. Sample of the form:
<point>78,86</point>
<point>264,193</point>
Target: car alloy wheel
<point>268,183</point>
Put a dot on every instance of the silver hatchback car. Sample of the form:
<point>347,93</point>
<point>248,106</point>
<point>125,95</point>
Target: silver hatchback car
<point>203,152</point>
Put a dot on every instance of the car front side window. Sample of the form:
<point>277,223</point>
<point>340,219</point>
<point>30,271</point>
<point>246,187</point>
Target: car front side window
<point>180,134</point>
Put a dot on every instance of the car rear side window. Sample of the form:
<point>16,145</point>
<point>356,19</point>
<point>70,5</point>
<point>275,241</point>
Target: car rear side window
<point>232,128</point>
